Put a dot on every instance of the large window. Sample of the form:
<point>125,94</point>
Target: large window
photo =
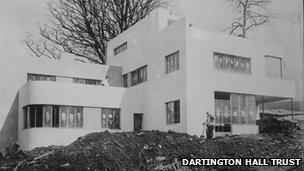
<point>172,62</point>
<point>234,108</point>
<point>40,77</point>
<point>110,118</point>
<point>52,116</point>
<point>232,63</point>
<point>120,48</point>
<point>273,67</point>
<point>173,112</point>
<point>137,76</point>
<point>86,81</point>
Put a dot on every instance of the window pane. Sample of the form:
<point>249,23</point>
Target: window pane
<point>104,118</point>
<point>39,116</point>
<point>117,119</point>
<point>176,112</point>
<point>30,77</point>
<point>79,117</point>
<point>125,80</point>
<point>120,48</point>
<point>71,118</point>
<point>110,119</point>
<point>173,112</point>
<point>32,116</point>
<point>145,73</point>
<point>140,75</point>
<point>25,117</point>
<point>63,116</point>
<point>231,63</point>
<point>273,67</point>
<point>55,121</point>
<point>47,117</point>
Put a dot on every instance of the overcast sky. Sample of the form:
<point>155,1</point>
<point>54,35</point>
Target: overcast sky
<point>17,17</point>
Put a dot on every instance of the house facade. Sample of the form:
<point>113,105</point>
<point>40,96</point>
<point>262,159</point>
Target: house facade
<point>162,74</point>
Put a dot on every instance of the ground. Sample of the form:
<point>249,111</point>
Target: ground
<point>155,150</point>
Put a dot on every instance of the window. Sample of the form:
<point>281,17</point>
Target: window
<point>273,67</point>
<point>125,80</point>
<point>47,116</point>
<point>139,75</point>
<point>172,62</point>
<point>232,63</point>
<point>52,116</point>
<point>55,116</point>
<point>120,48</point>
<point>86,81</point>
<point>40,77</point>
<point>25,118</point>
<point>234,108</point>
<point>173,112</point>
<point>110,118</point>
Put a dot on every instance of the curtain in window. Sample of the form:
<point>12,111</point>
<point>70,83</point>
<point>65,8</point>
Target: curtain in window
<point>71,117</point>
<point>243,108</point>
<point>104,118</point>
<point>63,116</point>
<point>222,113</point>
<point>236,106</point>
<point>116,118</point>
<point>250,108</point>
<point>79,117</point>
<point>170,112</point>
<point>111,119</point>
<point>47,116</point>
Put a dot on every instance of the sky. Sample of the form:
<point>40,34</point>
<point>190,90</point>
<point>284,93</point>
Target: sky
<point>19,17</point>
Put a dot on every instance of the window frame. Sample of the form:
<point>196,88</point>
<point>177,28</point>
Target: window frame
<point>281,65</point>
<point>44,77</point>
<point>175,114</point>
<point>112,110</point>
<point>231,68</point>
<point>31,112</point>
<point>135,75</point>
<point>119,49</point>
<point>125,80</point>
<point>172,62</point>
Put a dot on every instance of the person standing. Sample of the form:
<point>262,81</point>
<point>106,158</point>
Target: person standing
<point>210,125</point>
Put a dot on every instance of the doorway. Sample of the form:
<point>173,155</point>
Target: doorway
<point>138,119</point>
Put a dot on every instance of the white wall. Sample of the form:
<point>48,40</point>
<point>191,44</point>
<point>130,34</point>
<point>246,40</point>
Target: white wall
<point>149,41</point>
<point>203,80</point>
<point>92,97</point>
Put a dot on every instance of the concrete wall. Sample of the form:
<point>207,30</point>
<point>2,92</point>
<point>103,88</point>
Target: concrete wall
<point>203,79</point>
<point>195,82</point>
<point>92,97</point>
<point>16,77</point>
<point>149,41</point>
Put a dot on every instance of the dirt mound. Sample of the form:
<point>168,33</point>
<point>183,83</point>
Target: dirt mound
<point>154,150</point>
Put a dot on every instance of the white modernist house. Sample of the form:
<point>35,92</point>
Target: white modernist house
<point>162,74</point>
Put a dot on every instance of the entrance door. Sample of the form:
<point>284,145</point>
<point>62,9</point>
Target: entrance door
<point>138,118</point>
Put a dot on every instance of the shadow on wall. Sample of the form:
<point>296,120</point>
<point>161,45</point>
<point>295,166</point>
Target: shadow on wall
<point>114,75</point>
<point>9,130</point>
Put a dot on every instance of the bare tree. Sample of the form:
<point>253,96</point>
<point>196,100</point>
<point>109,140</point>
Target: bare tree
<point>250,14</point>
<point>83,27</point>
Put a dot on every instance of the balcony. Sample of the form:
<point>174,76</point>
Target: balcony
<point>63,93</point>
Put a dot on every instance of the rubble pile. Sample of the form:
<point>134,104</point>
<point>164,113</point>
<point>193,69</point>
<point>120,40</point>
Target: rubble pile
<point>274,125</point>
<point>154,150</point>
